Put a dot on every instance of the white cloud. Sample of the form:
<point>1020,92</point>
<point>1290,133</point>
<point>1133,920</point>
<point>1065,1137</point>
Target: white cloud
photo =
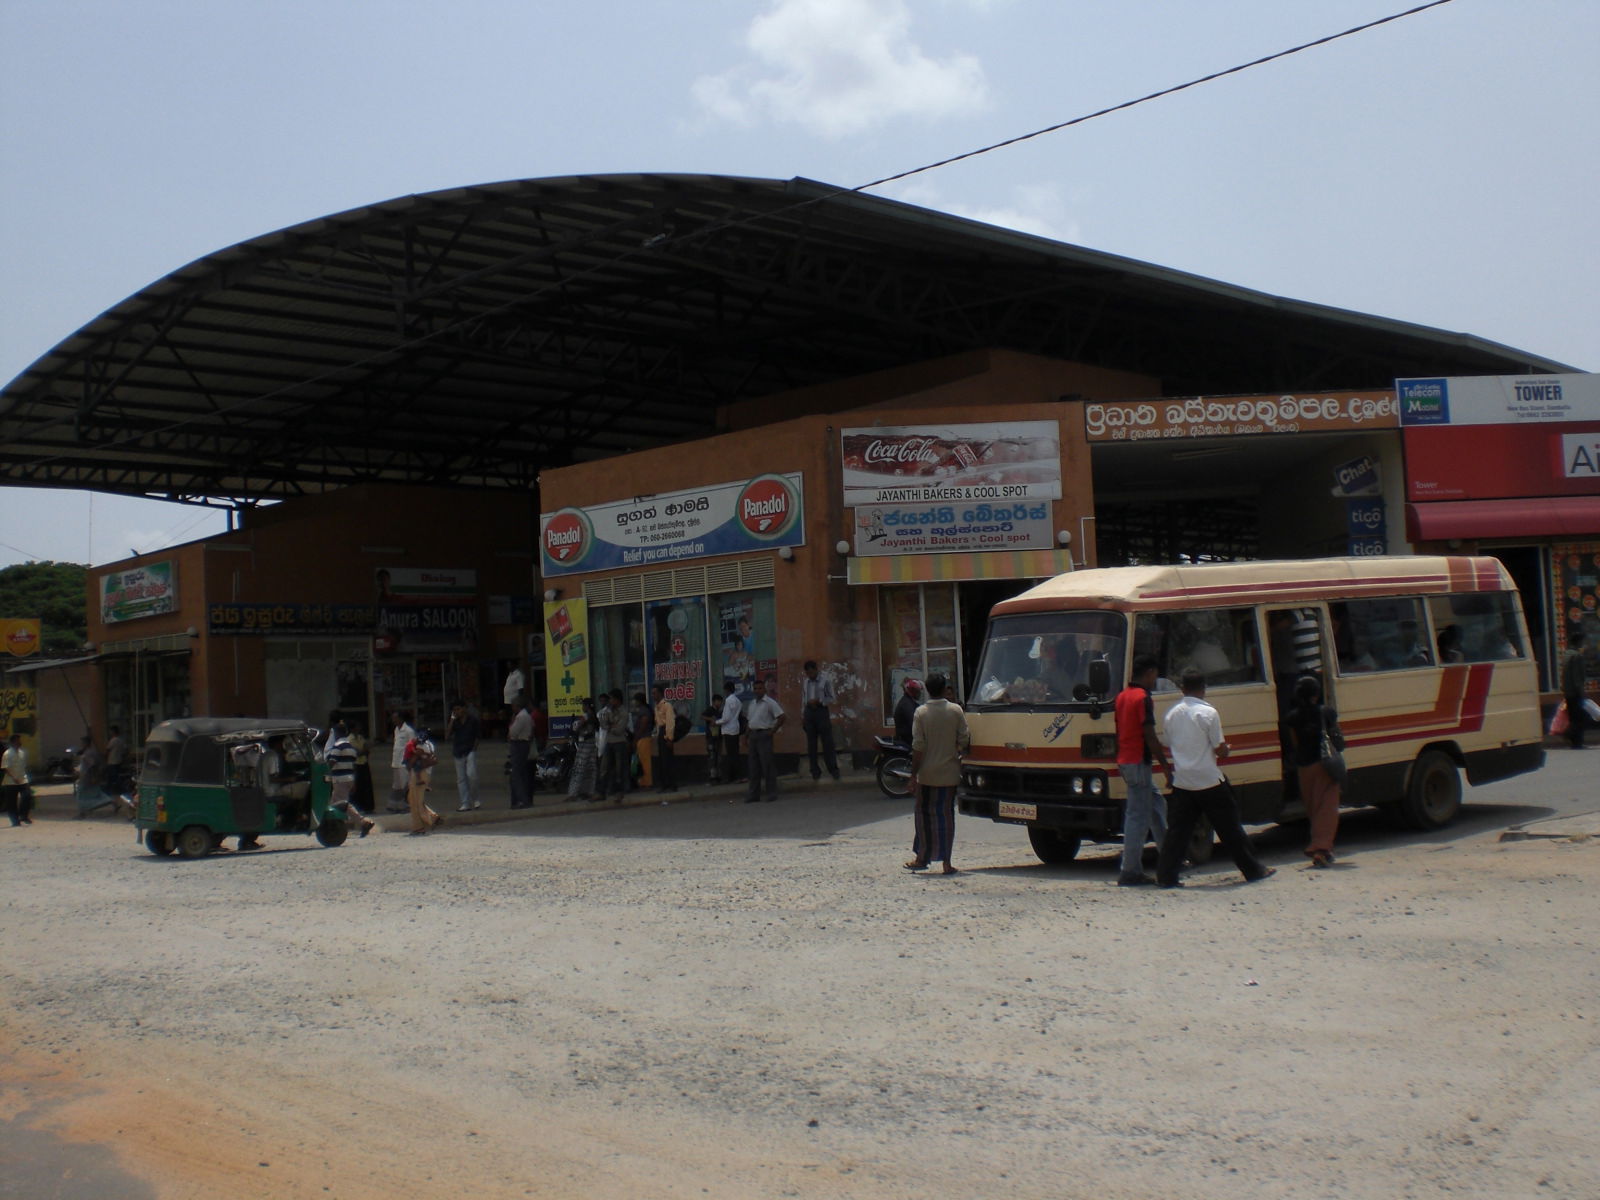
<point>839,67</point>
<point>1030,208</point>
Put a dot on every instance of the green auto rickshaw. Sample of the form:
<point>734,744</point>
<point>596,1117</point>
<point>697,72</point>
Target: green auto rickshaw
<point>207,778</point>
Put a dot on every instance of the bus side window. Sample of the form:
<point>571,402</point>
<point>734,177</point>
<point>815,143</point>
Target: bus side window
<point>1220,643</point>
<point>1476,626</point>
<point>1390,631</point>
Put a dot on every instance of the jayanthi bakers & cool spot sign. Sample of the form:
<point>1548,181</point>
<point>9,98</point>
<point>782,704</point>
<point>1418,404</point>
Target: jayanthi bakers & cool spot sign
<point>726,518</point>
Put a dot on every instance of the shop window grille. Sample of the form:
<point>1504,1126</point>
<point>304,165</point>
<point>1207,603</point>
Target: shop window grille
<point>657,585</point>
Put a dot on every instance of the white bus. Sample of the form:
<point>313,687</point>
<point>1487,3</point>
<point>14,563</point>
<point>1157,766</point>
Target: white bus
<point>1426,659</point>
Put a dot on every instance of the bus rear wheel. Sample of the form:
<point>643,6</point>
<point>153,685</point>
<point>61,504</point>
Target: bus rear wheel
<point>1053,846</point>
<point>196,842</point>
<point>1433,794</point>
<point>332,833</point>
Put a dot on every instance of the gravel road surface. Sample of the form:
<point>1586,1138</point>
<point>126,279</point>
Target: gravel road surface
<point>713,999</point>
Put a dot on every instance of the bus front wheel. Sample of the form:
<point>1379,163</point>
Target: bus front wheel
<point>1433,795</point>
<point>1053,846</point>
<point>159,843</point>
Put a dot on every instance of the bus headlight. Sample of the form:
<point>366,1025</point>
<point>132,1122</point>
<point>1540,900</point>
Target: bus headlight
<point>1097,786</point>
<point>979,782</point>
<point>1077,785</point>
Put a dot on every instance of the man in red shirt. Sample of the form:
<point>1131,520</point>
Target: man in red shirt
<point>1145,812</point>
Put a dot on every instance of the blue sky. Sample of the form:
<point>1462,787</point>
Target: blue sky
<point>1441,169</point>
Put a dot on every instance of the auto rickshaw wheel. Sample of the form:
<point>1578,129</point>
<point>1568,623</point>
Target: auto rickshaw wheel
<point>159,843</point>
<point>195,842</point>
<point>333,833</point>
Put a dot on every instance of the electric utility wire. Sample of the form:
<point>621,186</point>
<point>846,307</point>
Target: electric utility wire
<point>1056,128</point>
<point>660,242</point>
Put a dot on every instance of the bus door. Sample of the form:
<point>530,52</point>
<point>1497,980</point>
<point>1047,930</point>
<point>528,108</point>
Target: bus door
<point>1298,643</point>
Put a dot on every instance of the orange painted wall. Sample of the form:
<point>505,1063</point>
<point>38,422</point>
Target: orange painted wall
<point>818,614</point>
<point>324,549</point>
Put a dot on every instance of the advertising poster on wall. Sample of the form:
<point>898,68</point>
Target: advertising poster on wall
<point>1576,570</point>
<point>566,661</point>
<point>19,637</point>
<point>427,609</point>
<point>953,528</point>
<point>747,642</point>
<point>1006,460</point>
<point>146,591</point>
<point>677,653</point>
<point>19,713</point>
<point>763,513</point>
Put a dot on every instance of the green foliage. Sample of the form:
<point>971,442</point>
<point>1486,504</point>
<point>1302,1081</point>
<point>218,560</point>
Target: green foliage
<point>55,593</point>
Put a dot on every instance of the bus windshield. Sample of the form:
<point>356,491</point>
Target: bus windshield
<point>1035,659</point>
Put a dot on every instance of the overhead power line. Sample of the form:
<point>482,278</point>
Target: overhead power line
<point>1126,104</point>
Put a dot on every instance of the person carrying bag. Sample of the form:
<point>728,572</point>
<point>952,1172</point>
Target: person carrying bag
<point>1319,764</point>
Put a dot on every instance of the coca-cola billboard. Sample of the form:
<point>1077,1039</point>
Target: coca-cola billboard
<point>1011,460</point>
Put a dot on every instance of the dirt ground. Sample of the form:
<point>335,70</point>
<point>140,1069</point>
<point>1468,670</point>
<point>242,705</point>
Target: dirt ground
<point>740,1002</point>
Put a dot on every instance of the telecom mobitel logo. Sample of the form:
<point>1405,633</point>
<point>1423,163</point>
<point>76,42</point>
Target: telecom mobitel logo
<point>1423,401</point>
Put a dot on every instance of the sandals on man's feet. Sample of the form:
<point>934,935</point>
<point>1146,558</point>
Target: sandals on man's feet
<point>914,865</point>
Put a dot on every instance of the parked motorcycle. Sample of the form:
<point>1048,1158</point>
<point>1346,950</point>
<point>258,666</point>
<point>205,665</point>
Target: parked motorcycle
<point>893,767</point>
<point>552,767</point>
<point>63,767</point>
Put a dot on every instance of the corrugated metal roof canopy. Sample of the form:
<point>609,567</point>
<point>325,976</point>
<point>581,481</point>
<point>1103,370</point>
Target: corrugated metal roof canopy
<point>478,335</point>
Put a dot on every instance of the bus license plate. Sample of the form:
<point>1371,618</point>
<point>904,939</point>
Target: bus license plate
<point>1019,812</point>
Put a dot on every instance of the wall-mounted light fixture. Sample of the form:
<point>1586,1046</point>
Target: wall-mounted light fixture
<point>786,553</point>
<point>550,595</point>
<point>193,632</point>
<point>1064,537</point>
<point>842,546</point>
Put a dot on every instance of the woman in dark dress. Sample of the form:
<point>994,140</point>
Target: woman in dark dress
<point>1308,717</point>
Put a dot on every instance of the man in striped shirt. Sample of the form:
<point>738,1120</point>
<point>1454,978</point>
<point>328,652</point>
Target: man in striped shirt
<point>340,755</point>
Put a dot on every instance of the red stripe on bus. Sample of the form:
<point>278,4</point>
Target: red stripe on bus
<point>1460,706</point>
<point>1301,585</point>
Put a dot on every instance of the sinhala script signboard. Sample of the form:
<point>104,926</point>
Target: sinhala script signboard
<point>726,518</point>
<point>145,591</point>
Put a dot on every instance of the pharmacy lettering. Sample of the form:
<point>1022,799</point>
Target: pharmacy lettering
<point>146,591</point>
<point>726,518</point>
<point>952,528</point>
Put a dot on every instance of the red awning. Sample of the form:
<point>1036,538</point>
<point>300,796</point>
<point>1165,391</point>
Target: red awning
<point>1552,516</point>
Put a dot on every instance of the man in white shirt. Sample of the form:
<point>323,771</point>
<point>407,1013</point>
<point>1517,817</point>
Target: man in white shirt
<point>520,752</point>
<point>14,789</point>
<point>403,733</point>
<point>763,718</point>
<point>1194,735</point>
<point>732,708</point>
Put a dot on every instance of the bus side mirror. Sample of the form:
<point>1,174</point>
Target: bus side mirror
<point>1099,677</point>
